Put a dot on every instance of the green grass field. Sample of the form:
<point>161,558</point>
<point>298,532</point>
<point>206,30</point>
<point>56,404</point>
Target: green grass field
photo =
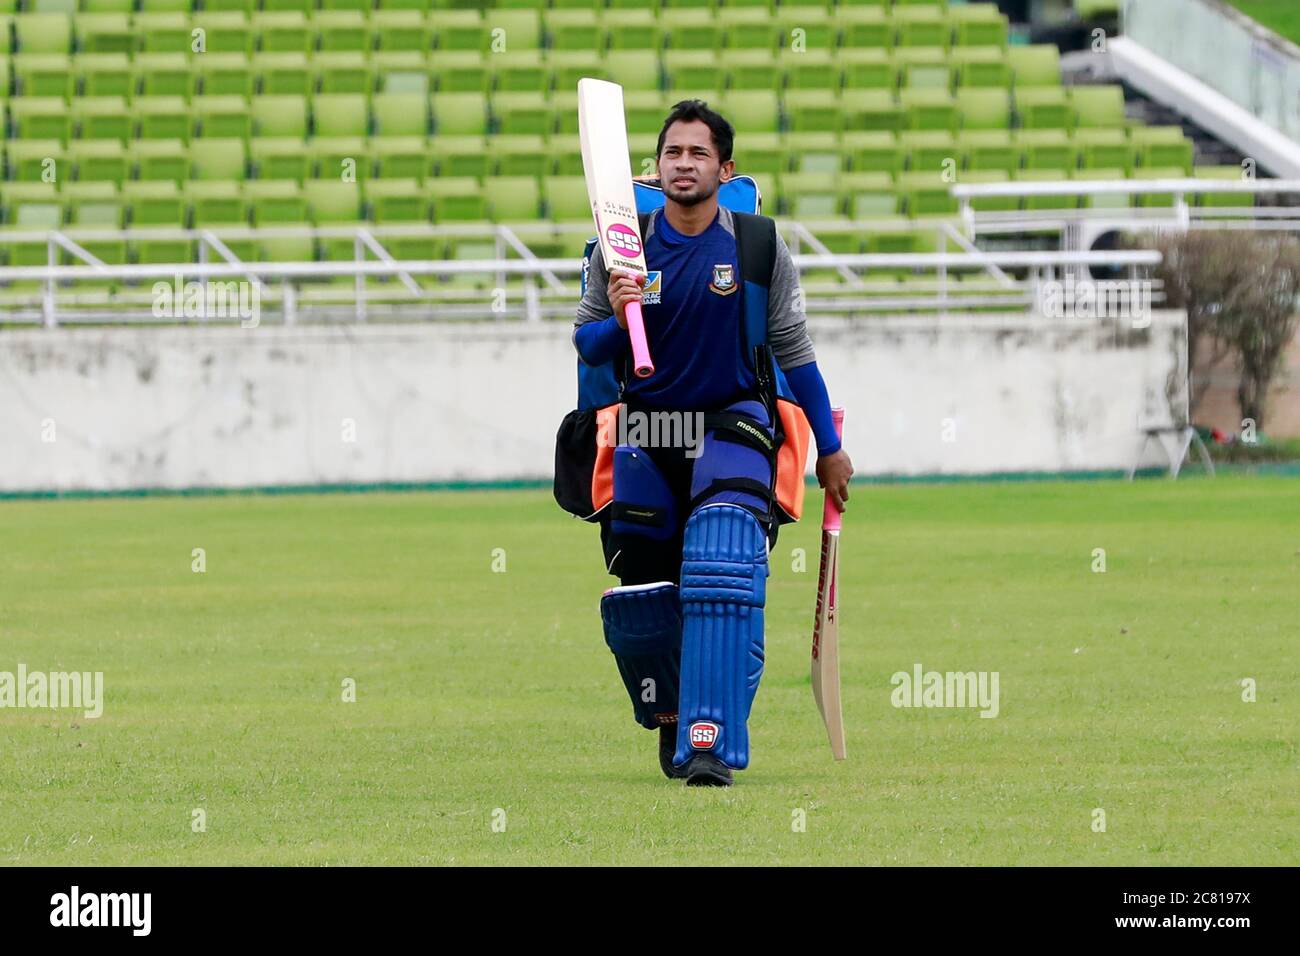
<point>1280,16</point>
<point>479,690</point>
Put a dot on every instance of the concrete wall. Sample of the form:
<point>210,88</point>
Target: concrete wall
<point>123,408</point>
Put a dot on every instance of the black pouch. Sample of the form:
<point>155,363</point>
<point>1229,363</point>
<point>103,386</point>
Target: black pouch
<point>584,482</point>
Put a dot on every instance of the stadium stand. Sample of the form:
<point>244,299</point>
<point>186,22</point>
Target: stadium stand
<point>249,112</point>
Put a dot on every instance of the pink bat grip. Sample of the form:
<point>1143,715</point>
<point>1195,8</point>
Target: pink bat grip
<point>830,514</point>
<point>641,363</point>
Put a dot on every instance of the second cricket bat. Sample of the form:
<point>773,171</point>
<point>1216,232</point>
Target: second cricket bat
<point>602,131</point>
<point>826,629</point>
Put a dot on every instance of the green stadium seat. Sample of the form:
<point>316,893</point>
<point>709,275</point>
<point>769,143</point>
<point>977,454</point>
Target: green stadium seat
<point>105,74</point>
<point>813,111</point>
<point>1162,147</point>
<point>279,203</point>
<point>871,110</point>
<point>749,69</point>
<point>1035,65</point>
<point>223,117</point>
<point>1105,149</point>
<point>224,158</point>
<point>463,72</point>
<point>50,6</point>
<point>456,199</point>
<point>102,117</point>
<point>990,203</point>
<point>342,73</point>
<point>340,114</point>
<point>341,157</point>
<point>400,157</point>
<point>40,117</point>
<point>869,195</point>
<point>43,33</point>
<point>563,120</point>
<point>36,160</point>
<point>992,151</point>
<point>922,26</point>
<point>230,6</point>
<point>459,114</point>
<point>981,66</point>
<point>983,108</point>
<point>761,153</point>
<point>289,6</point>
<point>279,158</point>
<point>43,74</point>
<point>221,203</point>
<point>751,29</point>
<point>520,155</point>
<point>279,116</point>
<point>1098,106</point>
<point>1044,108</point>
<point>35,206</point>
<point>163,32</point>
<point>362,5</point>
<point>403,73</point>
<point>104,33</point>
<point>1221,199</point>
<point>284,74</point>
<point>930,150</point>
<point>224,74</point>
<point>1048,149</point>
<point>164,74</point>
<point>633,30</point>
<point>285,32</point>
<point>157,204</point>
<point>692,33</point>
<point>97,205</point>
<point>866,27</point>
<point>928,109</point>
<point>159,159</point>
<point>421,5</point>
<point>874,152</point>
<point>99,160</point>
<point>978,24</point>
<point>868,69</point>
<point>226,32</point>
<point>400,114</point>
<point>1104,201</point>
<point>165,6</point>
<point>810,27</point>
<point>343,31</point>
<point>528,113</point>
<point>401,30</point>
<point>574,30</point>
<point>460,156</point>
<point>513,198</point>
<point>397,200</point>
<point>1159,200</point>
<point>640,153</point>
<point>1046,203</point>
<point>927,194</point>
<point>754,111</point>
<point>688,70</point>
<point>522,29</point>
<point>566,67</point>
<point>635,70</point>
<point>566,199</point>
<point>924,68</point>
<point>459,30</point>
<point>812,70</point>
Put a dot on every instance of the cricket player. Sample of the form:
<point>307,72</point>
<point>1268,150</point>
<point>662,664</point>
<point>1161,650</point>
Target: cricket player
<point>690,527</point>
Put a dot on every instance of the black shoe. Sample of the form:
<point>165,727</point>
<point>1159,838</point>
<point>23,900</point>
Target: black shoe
<point>706,770</point>
<point>667,748</point>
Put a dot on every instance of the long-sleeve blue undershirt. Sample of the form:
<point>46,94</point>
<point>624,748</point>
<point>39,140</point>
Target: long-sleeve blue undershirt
<point>601,342</point>
<point>810,389</point>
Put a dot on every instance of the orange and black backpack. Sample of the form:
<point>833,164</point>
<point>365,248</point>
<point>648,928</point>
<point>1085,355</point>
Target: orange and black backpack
<point>584,445</point>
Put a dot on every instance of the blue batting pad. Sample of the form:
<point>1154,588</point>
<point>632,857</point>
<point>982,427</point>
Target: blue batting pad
<point>724,585</point>
<point>643,627</point>
<point>643,501</point>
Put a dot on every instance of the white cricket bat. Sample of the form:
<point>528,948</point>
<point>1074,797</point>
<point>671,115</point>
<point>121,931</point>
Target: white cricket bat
<point>602,130</point>
<point>826,629</point>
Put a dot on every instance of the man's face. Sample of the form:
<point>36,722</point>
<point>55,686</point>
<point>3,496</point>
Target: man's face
<point>688,166</point>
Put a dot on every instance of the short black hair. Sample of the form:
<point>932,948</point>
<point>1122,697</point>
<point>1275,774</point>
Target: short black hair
<point>724,136</point>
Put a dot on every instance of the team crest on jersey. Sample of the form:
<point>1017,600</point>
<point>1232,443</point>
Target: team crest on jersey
<point>652,291</point>
<point>704,734</point>
<point>724,279</point>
